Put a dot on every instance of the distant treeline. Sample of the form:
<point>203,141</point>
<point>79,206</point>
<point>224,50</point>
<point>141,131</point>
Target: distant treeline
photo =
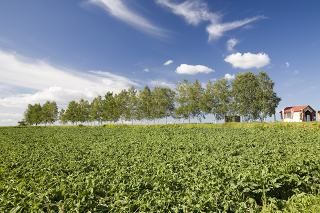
<point>249,95</point>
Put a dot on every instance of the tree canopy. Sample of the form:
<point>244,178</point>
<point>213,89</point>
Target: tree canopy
<point>37,114</point>
<point>249,95</point>
<point>254,96</point>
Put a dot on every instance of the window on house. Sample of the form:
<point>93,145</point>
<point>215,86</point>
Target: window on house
<point>288,115</point>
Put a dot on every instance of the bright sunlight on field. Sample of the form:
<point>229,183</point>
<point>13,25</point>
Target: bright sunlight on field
<point>189,168</point>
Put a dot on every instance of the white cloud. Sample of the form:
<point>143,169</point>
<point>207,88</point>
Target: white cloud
<point>196,11</point>
<point>248,60</point>
<point>192,11</point>
<point>193,69</point>
<point>122,12</point>
<point>167,63</point>
<point>32,81</point>
<point>146,70</point>
<point>162,83</point>
<point>231,43</point>
<point>287,64</point>
<point>229,77</point>
<point>217,30</point>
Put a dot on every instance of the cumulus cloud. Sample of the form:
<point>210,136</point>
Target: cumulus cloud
<point>229,77</point>
<point>33,81</point>
<point>231,43</point>
<point>193,69</point>
<point>119,10</point>
<point>195,12</point>
<point>248,60</point>
<point>167,63</point>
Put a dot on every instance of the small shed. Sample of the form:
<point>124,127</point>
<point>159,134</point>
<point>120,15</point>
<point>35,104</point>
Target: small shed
<point>232,118</point>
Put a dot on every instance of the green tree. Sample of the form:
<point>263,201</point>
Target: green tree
<point>96,110</point>
<point>110,109</point>
<point>72,112</point>
<point>122,101</point>
<point>250,96</point>
<point>28,115</point>
<point>245,90</point>
<point>62,116</point>
<point>145,107</point>
<point>268,99</point>
<point>189,100</point>
<point>254,96</point>
<point>222,99</point>
<point>208,99</point>
<point>33,114</point>
<point>83,111</point>
<point>49,112</point>
<point>183,110</point>
<point>132,111</point>
<point>162,102</point>
<point>195,100</point>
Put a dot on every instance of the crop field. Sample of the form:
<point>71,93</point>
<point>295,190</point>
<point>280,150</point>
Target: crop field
<point>182,168</point>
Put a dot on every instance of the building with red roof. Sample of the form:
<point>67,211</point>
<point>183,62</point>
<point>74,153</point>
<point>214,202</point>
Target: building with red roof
<point>298,114</point>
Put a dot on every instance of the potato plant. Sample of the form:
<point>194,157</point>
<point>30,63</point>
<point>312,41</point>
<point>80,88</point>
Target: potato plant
<point>159,169</point>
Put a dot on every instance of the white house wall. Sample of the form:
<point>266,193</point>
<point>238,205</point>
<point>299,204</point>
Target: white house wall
<point>295,118</point>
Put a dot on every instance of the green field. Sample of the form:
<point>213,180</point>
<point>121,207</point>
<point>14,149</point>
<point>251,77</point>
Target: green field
<point>186,168</point>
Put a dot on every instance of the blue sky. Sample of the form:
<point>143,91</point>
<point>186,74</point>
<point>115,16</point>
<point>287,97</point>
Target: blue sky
<point>65,50</point>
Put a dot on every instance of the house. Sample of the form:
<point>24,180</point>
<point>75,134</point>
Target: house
<point>298,114</point>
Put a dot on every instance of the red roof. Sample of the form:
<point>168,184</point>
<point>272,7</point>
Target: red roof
<point>295,108</point>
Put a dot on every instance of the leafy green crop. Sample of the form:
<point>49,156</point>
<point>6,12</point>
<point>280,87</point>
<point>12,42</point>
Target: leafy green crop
<point>159,169</point>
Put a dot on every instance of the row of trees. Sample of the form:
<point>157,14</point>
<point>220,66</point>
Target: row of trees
<point>128,105</point>
<point>41,114</point>
<point>250,96</point>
